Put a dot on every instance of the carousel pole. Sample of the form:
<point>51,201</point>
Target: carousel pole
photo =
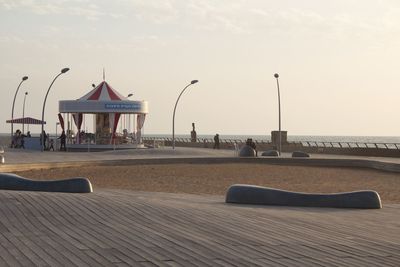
<point>129,118</point>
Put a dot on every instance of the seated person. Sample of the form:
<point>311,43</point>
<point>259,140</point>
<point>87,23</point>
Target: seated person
<point>252,144</point>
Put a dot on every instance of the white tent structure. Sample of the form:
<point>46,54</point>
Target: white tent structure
<point>106,106</point>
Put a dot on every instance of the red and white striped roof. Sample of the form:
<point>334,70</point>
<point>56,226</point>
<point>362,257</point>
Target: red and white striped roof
<point>26,120</point>
<point>103,92</point>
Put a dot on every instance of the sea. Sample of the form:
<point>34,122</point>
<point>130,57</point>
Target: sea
<point>4,138</point>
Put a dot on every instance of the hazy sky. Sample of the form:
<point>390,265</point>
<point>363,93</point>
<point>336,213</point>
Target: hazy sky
<point>339,61</point>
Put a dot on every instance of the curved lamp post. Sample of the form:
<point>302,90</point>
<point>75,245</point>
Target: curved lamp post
<point>129,115</point>
<point>276,75</point>
<point>23,114</point>
<point>64,70</point>
<point>173,117</point>
<point>12,111</point>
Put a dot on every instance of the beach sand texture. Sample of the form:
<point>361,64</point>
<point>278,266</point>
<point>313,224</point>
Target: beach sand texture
<point>214,179</point>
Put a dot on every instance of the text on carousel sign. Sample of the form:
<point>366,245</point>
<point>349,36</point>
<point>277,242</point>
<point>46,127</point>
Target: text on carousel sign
<point>122,106</point>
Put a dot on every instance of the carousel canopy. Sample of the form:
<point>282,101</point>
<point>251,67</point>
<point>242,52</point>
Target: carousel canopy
<point>26,120</point>
<point>103,99</point>
<point>103,92</point>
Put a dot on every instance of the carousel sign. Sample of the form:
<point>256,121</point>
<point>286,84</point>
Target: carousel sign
<point>133,106</point>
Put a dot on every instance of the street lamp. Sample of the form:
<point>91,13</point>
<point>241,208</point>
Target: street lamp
<point>12,111</point>
<point>23,114</point>
<point>173,117</point>
<point>276,75</point>
<point>64,70</point>
<point>129,115</point>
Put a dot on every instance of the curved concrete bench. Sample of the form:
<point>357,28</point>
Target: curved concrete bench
<point>270,153</point>
<point>250,194</point>
<point>247,151</point>
<point>10,181</point>
<point>300,154</point>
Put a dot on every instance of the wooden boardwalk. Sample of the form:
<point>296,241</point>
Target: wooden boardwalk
<point>125,228</point>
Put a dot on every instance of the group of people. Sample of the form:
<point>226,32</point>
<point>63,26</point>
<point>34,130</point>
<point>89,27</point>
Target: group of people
<point>249,142</point>
<point>252,144</point>
<point>49,143</point>
<point>18,139</point>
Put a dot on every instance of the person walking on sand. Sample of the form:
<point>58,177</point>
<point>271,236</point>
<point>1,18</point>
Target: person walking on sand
<point>216,141</point>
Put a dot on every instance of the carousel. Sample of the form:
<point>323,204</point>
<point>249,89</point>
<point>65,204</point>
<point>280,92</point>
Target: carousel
<point>117,122</point>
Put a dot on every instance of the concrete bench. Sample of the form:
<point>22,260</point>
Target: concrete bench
<point>10,181</point>
<point>251,194</point>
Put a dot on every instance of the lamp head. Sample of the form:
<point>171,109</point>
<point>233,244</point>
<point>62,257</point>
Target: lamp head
<point>25,78</point>
<point>64,70</point>
<point>276,75</point>
<point>194,81</point>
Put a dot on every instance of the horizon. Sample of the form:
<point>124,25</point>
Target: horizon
<point>337,64</point>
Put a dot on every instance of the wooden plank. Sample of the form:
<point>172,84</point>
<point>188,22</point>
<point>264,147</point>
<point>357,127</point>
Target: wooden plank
<point>125,228</point>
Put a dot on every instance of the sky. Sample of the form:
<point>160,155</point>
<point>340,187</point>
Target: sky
<point>338,61</point>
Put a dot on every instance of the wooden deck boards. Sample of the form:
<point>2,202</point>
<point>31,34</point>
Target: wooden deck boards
<point>125,228</point>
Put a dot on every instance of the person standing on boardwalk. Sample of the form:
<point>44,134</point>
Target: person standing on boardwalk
<point>51,146</point>
<point>193,134</point>
<point>43,136</point>
<point>216,141</point>
<point>62,138</point>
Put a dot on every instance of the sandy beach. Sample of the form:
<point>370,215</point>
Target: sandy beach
<point>214,179</point>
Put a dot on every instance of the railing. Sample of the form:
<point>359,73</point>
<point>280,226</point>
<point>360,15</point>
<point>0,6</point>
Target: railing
<point>202,140</point>
<point>348,145</point>
<point>310,144</point>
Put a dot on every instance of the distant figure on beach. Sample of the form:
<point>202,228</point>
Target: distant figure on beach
<point>193,134</point>
<point>252,144</point>
<point>216,141</point>
<point>63,138</point>
<point>28,134</point>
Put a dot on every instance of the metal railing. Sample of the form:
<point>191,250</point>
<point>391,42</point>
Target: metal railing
<point>202,140</point>
<point>310,144</point>
<point>348,145</point>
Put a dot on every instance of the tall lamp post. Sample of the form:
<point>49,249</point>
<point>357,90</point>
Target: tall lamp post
<point>12,111</point>
<point>276,75</point>
<point>23,114</point>
<point>129,115</point>
<point>64,70</point>
<point>173,117</point>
